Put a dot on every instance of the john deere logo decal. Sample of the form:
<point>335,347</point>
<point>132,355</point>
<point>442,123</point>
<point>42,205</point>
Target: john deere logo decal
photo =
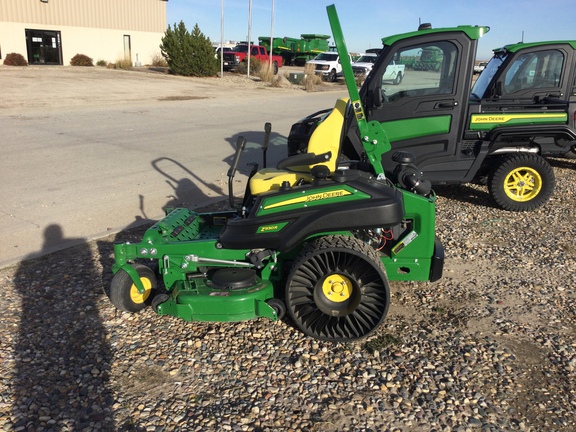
<point>309,198</point>
<point>327,195</point>
<point>505,118</point>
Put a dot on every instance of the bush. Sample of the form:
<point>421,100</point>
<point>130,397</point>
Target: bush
<point>123,64</point>
<point>255,66</point>
<point>15,59</point>
<point>311,80</point>
<point>159,61</point>
<point>266,72</point>
<point>102,63</point>
<point>81,60</point>
<point>188,54</point>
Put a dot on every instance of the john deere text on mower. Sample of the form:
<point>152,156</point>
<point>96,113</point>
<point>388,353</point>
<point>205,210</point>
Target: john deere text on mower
<point>315,237</point>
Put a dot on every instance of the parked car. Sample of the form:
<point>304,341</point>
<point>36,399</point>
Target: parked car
<point>480,67</point>
<point>363,65</point>
<point>327,64</point>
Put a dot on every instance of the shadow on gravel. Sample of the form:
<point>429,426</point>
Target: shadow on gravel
<point>563,163</point>
<point>466,194</point>
<point>62,355</point>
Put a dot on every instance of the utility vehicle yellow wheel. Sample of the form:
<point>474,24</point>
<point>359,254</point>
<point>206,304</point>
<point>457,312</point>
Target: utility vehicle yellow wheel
<point>337,289</point>
<point>125,295</point>
<point>522,182</point>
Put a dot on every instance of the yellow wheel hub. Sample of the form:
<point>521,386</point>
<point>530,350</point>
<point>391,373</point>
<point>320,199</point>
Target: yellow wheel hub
<point>337,288</point>
<point>137,297</point>
<point>523,184</point>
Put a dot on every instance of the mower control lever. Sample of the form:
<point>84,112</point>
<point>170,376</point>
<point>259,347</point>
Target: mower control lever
<point>240,145</point>
<point>267,130</point>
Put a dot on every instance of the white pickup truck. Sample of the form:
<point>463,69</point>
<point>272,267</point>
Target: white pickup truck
<point>478,68</point>
<point>394,73</point>
<point>364,64</point>
<point>328,65</point>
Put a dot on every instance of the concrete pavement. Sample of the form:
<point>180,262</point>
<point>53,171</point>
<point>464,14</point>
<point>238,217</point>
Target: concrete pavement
<point>93,151</point>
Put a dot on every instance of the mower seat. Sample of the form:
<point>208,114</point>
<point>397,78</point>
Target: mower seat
<point>323,149</point>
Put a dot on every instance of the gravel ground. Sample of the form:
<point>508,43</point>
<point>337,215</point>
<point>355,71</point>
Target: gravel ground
<point>491,346</point>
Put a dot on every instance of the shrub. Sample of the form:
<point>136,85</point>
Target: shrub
<point>123,64</point>
<point>159,61</point>
<point>266,72</point>
<point>255,66</point>
<point>311,80</point>
<point>81,60</point>
<point>188,54</point>
<point>15,59</point>
<point>102,63</point>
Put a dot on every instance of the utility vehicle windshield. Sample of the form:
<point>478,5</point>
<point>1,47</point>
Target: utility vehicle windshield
<point>481,85</point>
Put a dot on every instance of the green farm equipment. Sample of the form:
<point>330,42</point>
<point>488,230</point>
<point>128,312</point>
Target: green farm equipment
<point>296,51</point>
<point>315,236</point>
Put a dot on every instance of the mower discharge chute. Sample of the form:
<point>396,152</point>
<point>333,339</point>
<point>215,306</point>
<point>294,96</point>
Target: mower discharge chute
<point>315,236</point>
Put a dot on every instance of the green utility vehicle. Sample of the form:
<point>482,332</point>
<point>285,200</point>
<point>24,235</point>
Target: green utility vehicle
<point>315,236</point>
<point>496,132</point>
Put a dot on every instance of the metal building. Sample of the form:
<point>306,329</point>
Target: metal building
<point>51,32</point>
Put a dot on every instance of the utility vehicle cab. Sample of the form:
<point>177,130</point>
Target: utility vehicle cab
<point>521,109</point>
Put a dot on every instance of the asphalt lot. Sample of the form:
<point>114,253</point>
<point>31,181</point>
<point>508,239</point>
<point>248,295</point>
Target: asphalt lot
<point>94,151</point>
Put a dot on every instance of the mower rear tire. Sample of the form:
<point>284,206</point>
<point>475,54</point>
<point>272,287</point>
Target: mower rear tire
<point>522,182</point>
<point>124,294</point>
<point>337,289</point>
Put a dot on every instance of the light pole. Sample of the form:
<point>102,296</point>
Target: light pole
<point>221,38</point>
<point>271,34</point>
<point>249,33</point>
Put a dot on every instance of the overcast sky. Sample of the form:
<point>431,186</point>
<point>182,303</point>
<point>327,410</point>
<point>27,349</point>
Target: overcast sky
<point>364,23</point>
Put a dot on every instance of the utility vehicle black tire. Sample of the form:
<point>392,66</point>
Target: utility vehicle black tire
<point>522,182</point>
<point>124,294</point>
<point>275,68</point>
<point>398,79</point>
<point>279,306</point>
<point>337,289</point>
<point>333,77</point>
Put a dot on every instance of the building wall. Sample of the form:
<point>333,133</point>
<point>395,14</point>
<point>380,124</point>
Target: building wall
<point>92,27</point>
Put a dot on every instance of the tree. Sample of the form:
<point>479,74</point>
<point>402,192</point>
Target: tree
<point>188,54</point>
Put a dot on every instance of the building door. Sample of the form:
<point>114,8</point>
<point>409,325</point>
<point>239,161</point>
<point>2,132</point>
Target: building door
<point>127,51</point>
<point>44,47</point>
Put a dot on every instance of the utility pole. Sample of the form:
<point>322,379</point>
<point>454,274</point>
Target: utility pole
<point>271,35</point>
<point>249,33</point>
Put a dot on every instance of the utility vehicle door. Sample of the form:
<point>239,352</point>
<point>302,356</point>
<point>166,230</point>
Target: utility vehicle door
<point>530,88</point>
<point>423,113</point>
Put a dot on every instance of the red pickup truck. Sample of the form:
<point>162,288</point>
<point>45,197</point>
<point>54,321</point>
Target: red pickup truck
<point>239,53</point>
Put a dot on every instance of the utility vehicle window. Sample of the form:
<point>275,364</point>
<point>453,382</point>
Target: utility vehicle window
<point>481,84</point>
<point>534,70</point>
<point>427,69</point>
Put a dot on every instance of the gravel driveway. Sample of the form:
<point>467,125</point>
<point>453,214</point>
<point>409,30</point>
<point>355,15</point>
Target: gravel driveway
<point>491,346</point>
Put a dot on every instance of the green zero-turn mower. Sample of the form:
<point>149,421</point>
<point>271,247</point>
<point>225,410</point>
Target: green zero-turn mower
<point>315,236</point>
